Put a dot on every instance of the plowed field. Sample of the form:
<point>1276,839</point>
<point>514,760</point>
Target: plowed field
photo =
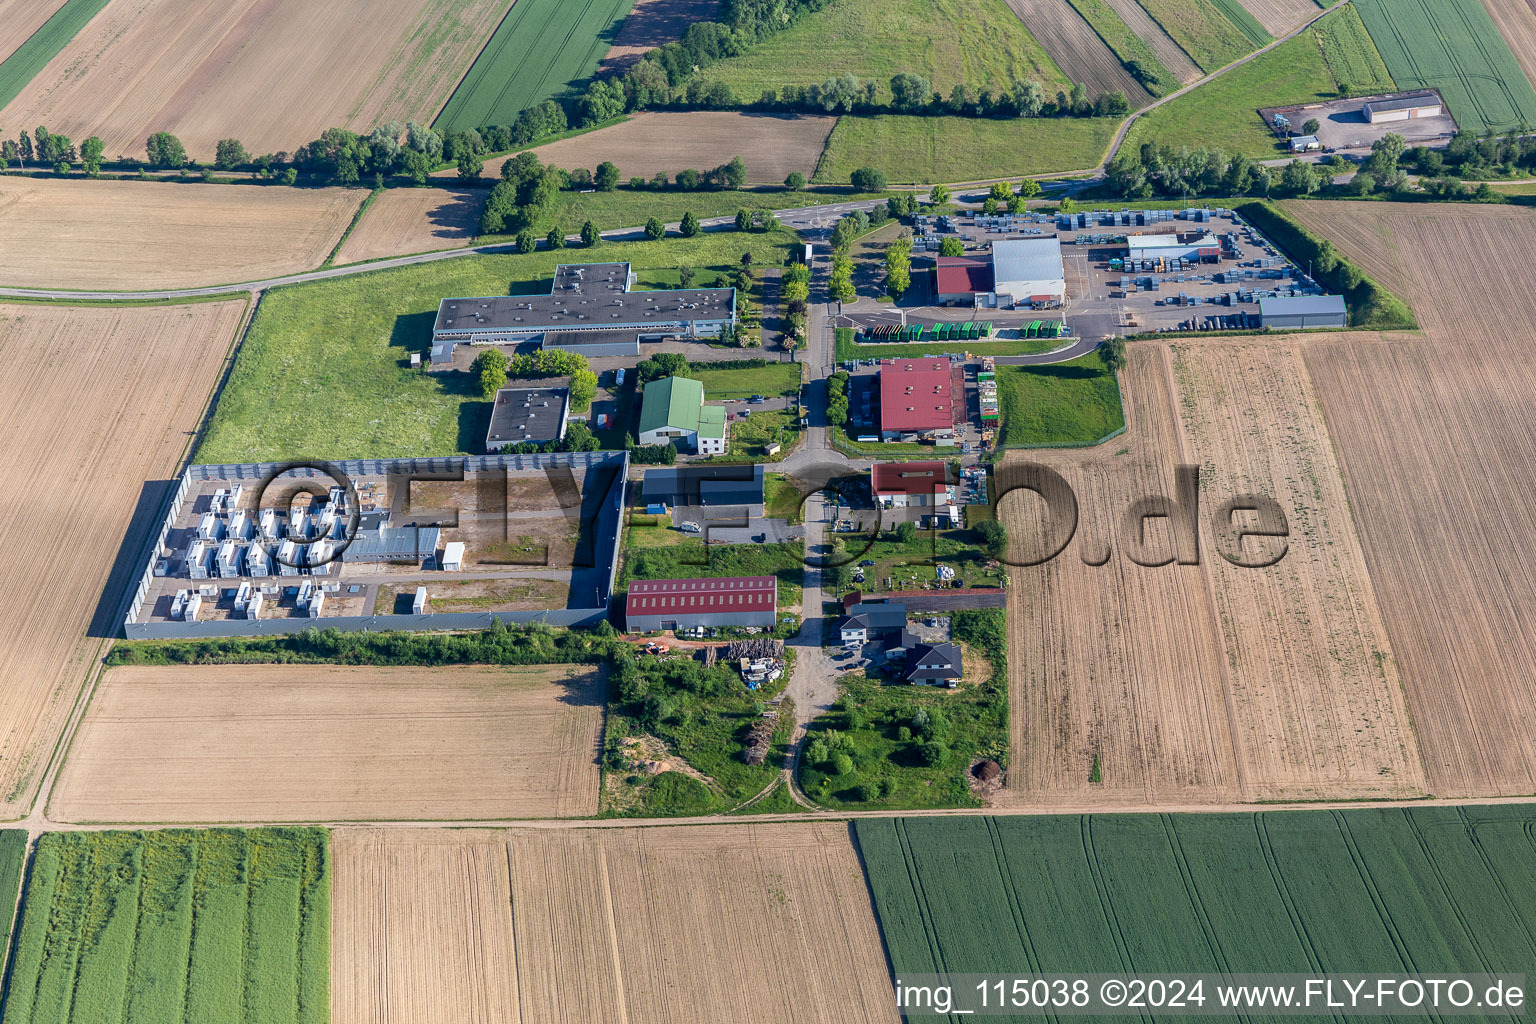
<point>716,923</point>
<point>1516,20</point>
<point>1280,16</point>
<point>1435,435</point>
<point>1077,49</point>
<point>407,220</point>
<point>327,743</point>
<point>20,18</point>
<point>96,406</point>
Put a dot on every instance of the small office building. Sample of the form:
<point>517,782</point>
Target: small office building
<point>672,411</point>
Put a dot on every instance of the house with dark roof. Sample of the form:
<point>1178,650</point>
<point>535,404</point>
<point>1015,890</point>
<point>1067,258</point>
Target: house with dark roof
<point>706,486</point>
<point>527,415</point>
<point>932,664</point>
<point>870,622</point>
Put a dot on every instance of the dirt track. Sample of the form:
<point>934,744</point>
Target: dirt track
<point>727,922</point>
<point>96,406</point>
<point>100,235</point>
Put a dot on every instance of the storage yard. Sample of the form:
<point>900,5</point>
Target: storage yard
<point>1434,437</point>
<point>724,922</point>
<point>1346,125</point>
<point>100,235</point>
<point>278,547</point>
<point>96,417</point>
<point>213,743</point>
<point>274,75</point>
<point>1212,682</point>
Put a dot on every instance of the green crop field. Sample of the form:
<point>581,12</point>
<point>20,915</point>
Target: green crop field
<point>213,926</point>
<point>1351,55</point>
<point>13,860</point>
<point>1211,39</point>
<point>1071,403</point>
<point>1223,113</point>
<point>1124,43</point>
<point>977,42</point>
<point>43,45</point>
<point>934,149</point>
<point>543,49</point>
<point>1246,23</point>
<point>1453,46</point>
<point>324,371</point>
<point>1372,890</point>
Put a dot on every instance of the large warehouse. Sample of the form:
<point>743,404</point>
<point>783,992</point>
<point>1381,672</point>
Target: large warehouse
<point>1028,273</point>
<point>1403,108</point>
<point>916,397</point>
<point>1303,311</point>
<point>681,604</point>
<point>589,309</point>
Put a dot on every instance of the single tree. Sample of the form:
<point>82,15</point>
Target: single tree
<point>1312,127</point>
<point>951,246</point>
<point>470,166</point>
<point>795,181</point>
<point>606,178</point>
<point>1029,188</point>
<point>555,239</point>
<point>743,220</point>
<point>165,151</point>
<point>867,179</point>
<point>993,537</point>
<point>589,234</point>
<point>229,154</point>
<point>583,389</point>
<point>654,229</point>
<point>685,276</point>
<point>526,242</point>
<point>939,195</point>
<point>735,172</point>
<point>746,259</point>
<point>24,144</point>
<point>490,367</point>
<point>290,176</point>
<point>90,155</point>
<point>1112,353</point>
<point>689,226</point>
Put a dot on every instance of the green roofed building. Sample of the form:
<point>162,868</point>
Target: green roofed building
<point>673,410</point>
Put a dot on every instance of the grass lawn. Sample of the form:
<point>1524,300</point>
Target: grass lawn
<point>944,149</point>
<point>750,437</point>
<point>1072,403</point>
<point>909,566</point>
<point>978,42</point>
<point>1524,188</point>
<point>846,349</point>
<point>781,499</point>
<point>1210,38</point>
<point>773,379</point>
<point>629,208</point>
<point>324,371</point>
<point>1224,113</point>
<point>910,746</point>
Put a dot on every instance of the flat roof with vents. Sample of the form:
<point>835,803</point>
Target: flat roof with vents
<point>527,414</point>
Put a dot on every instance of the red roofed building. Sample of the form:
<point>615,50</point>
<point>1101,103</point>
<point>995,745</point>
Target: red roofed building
<point>958,279</point>
<point>915,397</point>
<point>679,604</point>
<point>914,484</point>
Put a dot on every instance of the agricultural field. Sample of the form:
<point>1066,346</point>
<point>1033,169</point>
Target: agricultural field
<point>645,144</point>
<point>631,208</point>
<point>205,72</point>
<point>1385,890</point>
<point>1453,46</point>
<point>925,150</point>
<point>13,864</point>
<point>1516,20</point>
<point>1351,54</point>
<point>1212,682</point>
<point>325,743</point>
<point>32,32</point>
<point>1077,49</point>
<point>949,42</point>
<point>1169,52</point>
<point>1125,44</point>
<point>1201,27</point>
<point>650,24</point>
<point>1076,402</point>
<point>215,926</point>
<point>307,384</point>
<point>1223,113</point>
<point>113,394</point>
<point>1277,17</point>
<point>503,927</point>
<point>543,49</point>
<point>406,220</point>
<point>1434,432</point>
<point>105,235</point>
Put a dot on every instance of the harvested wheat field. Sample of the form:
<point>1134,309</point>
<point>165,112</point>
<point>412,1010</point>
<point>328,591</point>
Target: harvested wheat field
<point>765,922</point>
<point>650,24</point>
<point>97,407</point>
<point>20,18</point>
<point>327,743</point>
<point>407,220</point>
<point>104,235</point>
<point>272,73</point>
<point>1516,20</point>
<point>772,145</point>
<point>1206,682</point>
<point>1077,49</point>
<point>1435,434</point>
<point>1281,16</point>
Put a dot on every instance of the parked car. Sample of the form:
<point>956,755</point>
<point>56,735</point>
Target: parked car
<point>866,563</point>
<point>756,400</point>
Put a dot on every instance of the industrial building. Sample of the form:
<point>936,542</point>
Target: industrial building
<point>911,484</point>
<point>527,416</point>
<point>1027,273</point>
<point>1189,246</point>
<point>1403,108</point>
<point>959,279</point>
<point>731,601</point>
<point>916,397</point>
<point>706,487</point>
<point>672,410</point>
<point>1290,313</point>
<point>590,309</point>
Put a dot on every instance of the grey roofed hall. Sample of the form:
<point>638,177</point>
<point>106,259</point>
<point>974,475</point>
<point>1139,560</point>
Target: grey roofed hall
<point>705,485</point>
<point>527,415</point>
<point>1418,99</point>
<point>1303,311</point>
